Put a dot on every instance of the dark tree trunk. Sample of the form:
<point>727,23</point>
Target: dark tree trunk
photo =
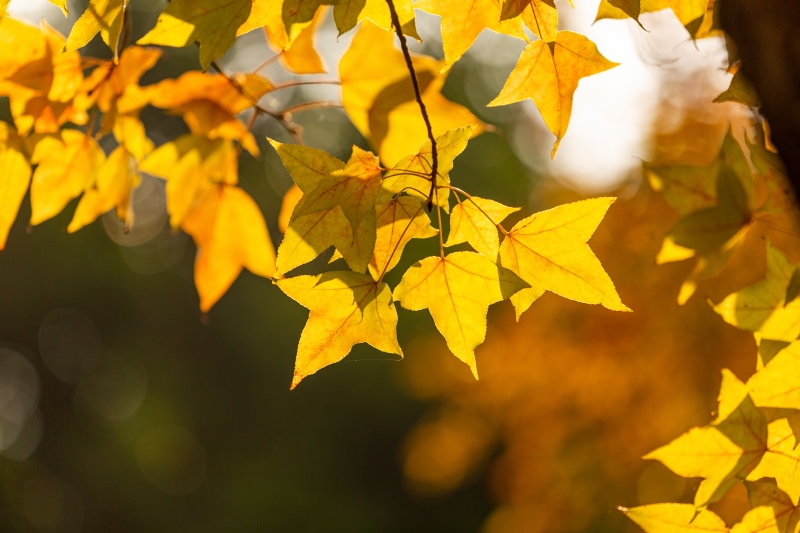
<point>767,38</point>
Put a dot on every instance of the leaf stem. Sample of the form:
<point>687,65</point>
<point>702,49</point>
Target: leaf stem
<point>298,83</point>
<point>456,190</point>
<point>268,62</point>
<point>407,55</point>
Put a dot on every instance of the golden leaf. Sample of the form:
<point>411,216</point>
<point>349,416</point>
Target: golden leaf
<point>16,178</point>
<point>213,23</point>
<point>378,96</point>
<point>475,221</point>
<point>115,180</point>
<point>458,290</point>
<point>103,17</point>
<point>399,221</point>
<point>462,23</point>
<point>549,251</point>
<point>348,13</point>
<point>230,234</point>
<point>66,169</point>
<point>190,164</point>
<point>540,16</point>
<point>209,104</point>
<point>724,452</point>
<point>760,307</point>
<point>549,73</point>
<point>412,173</point>
<point>675,518</point>
<point>347,308</point>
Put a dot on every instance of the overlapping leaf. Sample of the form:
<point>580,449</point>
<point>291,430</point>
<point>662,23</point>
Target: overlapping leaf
<point>549,75</point>
<point>101,16</point>
<point>230,234</point>
<point>378,95</point>
<point>347,308</point>
<point>549,251</point>
<point>724,452</point>
<point>209,104</point>
<point>309,235</point>
<point>190,165</point>
<point>348,13</point>
<point>475,221</point>
<point>762,307</point>
<point>461,24</point>
<point>412,174</point>
<point>458,290</point>
<point>540,16</point>
<point>399,221</point>
<point>16,178</point>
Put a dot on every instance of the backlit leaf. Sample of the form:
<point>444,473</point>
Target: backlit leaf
<point>412,173</point>
<point>781,460</point>
<point>760,307</point>
<point>190,164</point>
<point>115,180</point>
<point>65,170</point>
<point>346,308</point>
<point>458,290</point>
<point>398,222</point>
<point>549,251</point>
<point>724,452</point>
<point>208,103</point>
<point>675,518</point>
<point>463,22</point>
<point>103,17</point>
<point>474,220</point>
<point>549,75</point>
<point>540,16</point>
<point>213,23</point>
<point>16,178</point>
<point>348,13</point>
<point>378,96</point>
<point>230,234</point>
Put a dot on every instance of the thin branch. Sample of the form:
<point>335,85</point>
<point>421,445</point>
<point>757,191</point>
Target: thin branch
<point>298,83</point>
<point>407,55</point>
<point>268,62</point>
<point>306,106</point>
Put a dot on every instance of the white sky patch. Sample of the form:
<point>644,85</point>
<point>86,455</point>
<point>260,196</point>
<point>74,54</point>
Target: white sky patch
<point>33,11</point>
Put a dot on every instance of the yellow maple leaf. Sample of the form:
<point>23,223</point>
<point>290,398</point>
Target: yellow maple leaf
<point>462,22</point>
<point>777,385</point>
<point>230,234</point>
<point>761,307</point>
<point>66,168</point>
<point>290,200</point>
<point>776,512</point>
<point>475,221</point>
<point>299,55</point>
<point>378,95</point>
<point>398,222</point>
<point>213,23</point>
<point>283,21</point>
<point>411,174</point>
<point>548,73</point>
<point>42,91</point>
<point>540,16</point>
<point>190,165</point>
<point>675,518</point>
<point>101,16</point>
<point>724,452</point>
<point>781,459</point>
<point>348,13</point>
<point>549,251</point>
<point>20,44</point>
<point>116,179</point>
<point>61,4</point>
<point>208,103</point>
<point>307,236</point>
<point>116,91</point>
<point>354,187</point>
<point>458,290</point>
<point>689,12</point>
<point>346,308</point>
<point>16,178</point>
<point>686,188</point>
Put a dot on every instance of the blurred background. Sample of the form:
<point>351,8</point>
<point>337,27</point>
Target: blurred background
<point>123,409</point>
